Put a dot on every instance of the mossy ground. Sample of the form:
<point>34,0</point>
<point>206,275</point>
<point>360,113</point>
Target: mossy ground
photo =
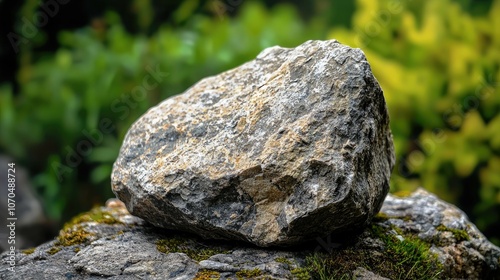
<point>459,234</point>
<point>53,250</point>
<point>70,236</point>
<point>248,274</point>
<point>404,193</point>
<point>407,259</point>
<point>74,234</point>
<point>207,275</point>
<point>301,273</point>
<point>28,251</point>
<point>284,261</point>
<point>94,215</point>
<point>179,245</point>
<point>381,217</point>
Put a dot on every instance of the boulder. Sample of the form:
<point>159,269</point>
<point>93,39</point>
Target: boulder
<point>418,237</point>
<point>292,145</point>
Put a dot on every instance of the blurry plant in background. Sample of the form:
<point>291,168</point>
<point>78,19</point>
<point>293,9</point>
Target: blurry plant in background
<point>67,111</point>
<point>439,67</point>
<point>53,125</point>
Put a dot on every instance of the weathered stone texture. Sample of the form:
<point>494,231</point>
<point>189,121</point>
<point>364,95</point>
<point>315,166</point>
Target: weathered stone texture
<point>287,147</point>
<point>459,245</point>
<point>124,247</point>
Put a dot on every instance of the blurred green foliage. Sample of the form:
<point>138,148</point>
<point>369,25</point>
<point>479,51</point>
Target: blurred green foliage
<point>440,71</point>
<point>437,63</point>
<point>93,77</point>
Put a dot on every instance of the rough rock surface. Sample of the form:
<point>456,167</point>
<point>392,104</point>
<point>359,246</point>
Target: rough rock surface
<point>289,146</point>
<point>109,243</point>
<point>459,245</point>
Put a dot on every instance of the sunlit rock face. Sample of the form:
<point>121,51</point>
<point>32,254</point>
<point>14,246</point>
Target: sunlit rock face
<point>292,145</point>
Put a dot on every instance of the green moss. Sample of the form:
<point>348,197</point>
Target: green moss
<point>28,251</point>
<point>94,215</point>
<point>459,234</point>
<point>248,274</point>
<point>403,193</point>
<point>407,259</point>
<point>176,245</point>
<point>73,233</point>
<point>207,274</point>
<point>283,260</point>
<point>397,230</point>
<point>381,217</point>
<point>300,273</point>
<point>168,246</point>
<point>76,250</point>
<point>53,250</point>
<point>322,266</point>
<point>73,236</point>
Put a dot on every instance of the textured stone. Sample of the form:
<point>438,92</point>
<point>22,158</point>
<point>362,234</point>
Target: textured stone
<point>290,146</point>
<point>126,249</point>
<point>363,274</point>
<point>459,245</point>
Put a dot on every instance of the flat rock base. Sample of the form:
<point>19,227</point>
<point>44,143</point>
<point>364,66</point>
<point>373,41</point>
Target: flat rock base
<point>109,243</point>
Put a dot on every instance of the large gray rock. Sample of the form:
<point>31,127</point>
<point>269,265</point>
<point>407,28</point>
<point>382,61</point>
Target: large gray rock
<point>109,243</point>
<point>290,146</point>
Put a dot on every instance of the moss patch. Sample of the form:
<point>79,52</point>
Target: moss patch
<point>177,245</point>
<point>459,234</point>
<point>248,274</point>
<point>28,251</point>
<point>73,236</point>
<point>381,217</point>
<point>53,250</point>
<point>301,273</point>
<point>283,261</point>
<point>94,215</point>
<point>207,274</point>
<point>403,193</point>
<point>407,259</point>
